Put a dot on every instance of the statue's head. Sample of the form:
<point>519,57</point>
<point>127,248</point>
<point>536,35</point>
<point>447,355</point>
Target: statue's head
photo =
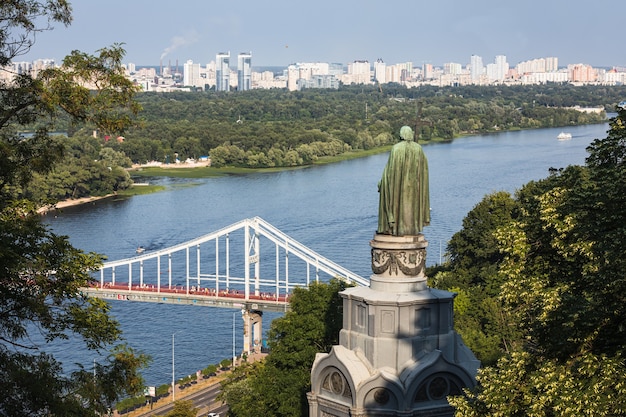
<point>406,133</point>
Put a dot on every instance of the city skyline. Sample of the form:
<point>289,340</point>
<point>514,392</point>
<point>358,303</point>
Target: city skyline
<point>280,33</point>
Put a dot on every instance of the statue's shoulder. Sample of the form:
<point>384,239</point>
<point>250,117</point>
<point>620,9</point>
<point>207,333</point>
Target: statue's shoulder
<point>416,147</point>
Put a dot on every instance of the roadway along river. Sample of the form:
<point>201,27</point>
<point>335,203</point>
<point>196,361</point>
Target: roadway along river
<point>332,209</point>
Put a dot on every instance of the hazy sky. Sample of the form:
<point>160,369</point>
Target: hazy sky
<point>281,32</point>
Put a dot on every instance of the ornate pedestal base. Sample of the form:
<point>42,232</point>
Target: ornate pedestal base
<point>398,353</point>
<point>398,263</point>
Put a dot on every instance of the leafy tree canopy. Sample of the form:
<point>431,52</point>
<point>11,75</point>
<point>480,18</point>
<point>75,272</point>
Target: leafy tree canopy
<point>562,288</point>
<point>278,128</point>
<point>183,408</point>
<point>41,273</point>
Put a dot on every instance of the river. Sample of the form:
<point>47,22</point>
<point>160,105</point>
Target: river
<point>331,208</point>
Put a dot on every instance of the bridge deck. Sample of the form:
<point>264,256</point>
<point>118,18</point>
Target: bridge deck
<point>206,297</point>
<point>221,269</point>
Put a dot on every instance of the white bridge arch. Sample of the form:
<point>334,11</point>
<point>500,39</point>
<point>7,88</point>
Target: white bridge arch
<point>225,268</point>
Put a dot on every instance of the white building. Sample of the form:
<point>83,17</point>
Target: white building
<point>298,74</point>
<point>359,72</point>
<point>191,75</point>
<point>476,68</point>
<point>550,64</point>
<point>380,71</point>
<point>453,68</point>
<point>612,77</point>
<point>267,80</point>
<point>544,77</point>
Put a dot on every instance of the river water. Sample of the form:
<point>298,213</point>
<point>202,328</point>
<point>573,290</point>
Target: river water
<point>332,209</point>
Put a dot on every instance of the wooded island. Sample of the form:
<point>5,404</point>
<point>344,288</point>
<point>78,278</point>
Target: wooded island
<point>279,129</point>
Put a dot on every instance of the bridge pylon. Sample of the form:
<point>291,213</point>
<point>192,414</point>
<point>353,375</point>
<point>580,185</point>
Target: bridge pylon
<point>252,331</point>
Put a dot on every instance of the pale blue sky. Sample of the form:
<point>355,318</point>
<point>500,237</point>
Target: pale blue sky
<point>281,32</point>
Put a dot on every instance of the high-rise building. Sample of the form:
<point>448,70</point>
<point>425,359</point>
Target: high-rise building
<point>222,71</point>
<point>453,68</point>
<point>427,71</point>
<point>359,72</point>
<point>502,67</point>
<point>582,73</point>
<point>292,77</point>
<point>380,71</point>
<point>552,64</point>
<point>191,74</point>
<point>244,71</point>
<point>476,68</point>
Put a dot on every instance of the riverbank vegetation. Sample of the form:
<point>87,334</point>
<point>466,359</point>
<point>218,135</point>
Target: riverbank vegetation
<point>277,128</point>
<point>243,132</point>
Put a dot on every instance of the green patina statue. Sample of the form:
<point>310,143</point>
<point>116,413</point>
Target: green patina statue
<point>404,207</point>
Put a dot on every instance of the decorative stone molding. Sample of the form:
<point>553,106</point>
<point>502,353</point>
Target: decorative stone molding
<point>398,256</point>
<point>409,263</point>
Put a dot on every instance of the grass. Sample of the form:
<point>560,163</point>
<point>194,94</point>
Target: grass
<point>140,190</point>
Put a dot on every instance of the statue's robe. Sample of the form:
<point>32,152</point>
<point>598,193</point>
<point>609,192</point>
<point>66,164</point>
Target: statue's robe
<point>404,206</point>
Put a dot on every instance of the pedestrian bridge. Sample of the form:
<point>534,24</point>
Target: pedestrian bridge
<point>250,265</point>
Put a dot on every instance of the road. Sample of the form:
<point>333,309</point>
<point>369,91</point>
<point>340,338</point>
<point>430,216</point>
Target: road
<point>202,395</point>
<point>203,399</point>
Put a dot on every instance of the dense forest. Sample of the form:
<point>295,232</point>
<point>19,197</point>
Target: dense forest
<point>277,128</point>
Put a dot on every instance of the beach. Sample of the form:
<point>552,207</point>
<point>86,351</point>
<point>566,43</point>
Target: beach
<point>71,202</point>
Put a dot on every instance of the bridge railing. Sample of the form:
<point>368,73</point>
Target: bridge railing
<point>227,260</point>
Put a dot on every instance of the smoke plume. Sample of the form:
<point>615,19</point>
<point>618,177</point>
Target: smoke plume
<point>177,42</point>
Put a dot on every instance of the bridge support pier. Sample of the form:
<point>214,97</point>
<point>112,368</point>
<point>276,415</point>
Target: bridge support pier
<point>252,331</point>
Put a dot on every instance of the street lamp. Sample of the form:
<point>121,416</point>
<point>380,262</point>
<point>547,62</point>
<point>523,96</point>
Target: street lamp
<point>173,370</point>
<point>234,357</point>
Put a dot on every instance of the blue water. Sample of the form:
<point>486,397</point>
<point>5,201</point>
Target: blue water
<point>332,209</point>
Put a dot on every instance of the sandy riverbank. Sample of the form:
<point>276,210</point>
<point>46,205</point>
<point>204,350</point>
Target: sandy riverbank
<point>174,165</point>
<point>71,203</point>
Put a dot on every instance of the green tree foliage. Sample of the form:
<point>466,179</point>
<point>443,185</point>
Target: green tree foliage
<point>277,128</point>
<point>183,408</point>
<point>41,273</point>
<point>278,386</point>
<point>472,272</point>
<point>87,169</point>
<point>563,287</point>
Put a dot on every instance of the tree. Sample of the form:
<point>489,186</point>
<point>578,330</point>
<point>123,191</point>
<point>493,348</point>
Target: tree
<point>563,288</point>
<point>41,273</point>
<point>472,272</point>
<point>183,408</point>
<point>278,386</point>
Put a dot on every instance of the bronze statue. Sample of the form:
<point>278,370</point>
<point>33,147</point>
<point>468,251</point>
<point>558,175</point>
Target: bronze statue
<point>404,206</point>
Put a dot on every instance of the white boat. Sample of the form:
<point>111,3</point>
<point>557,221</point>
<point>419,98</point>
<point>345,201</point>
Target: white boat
<point>140,249</point>
<point>564,136</point>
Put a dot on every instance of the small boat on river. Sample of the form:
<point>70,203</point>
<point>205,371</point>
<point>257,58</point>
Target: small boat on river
<point>564,136</point>
<point>140,249</point>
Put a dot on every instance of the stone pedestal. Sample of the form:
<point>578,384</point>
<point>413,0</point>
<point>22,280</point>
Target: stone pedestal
<point>398,263</point>
<point>398,353</point>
